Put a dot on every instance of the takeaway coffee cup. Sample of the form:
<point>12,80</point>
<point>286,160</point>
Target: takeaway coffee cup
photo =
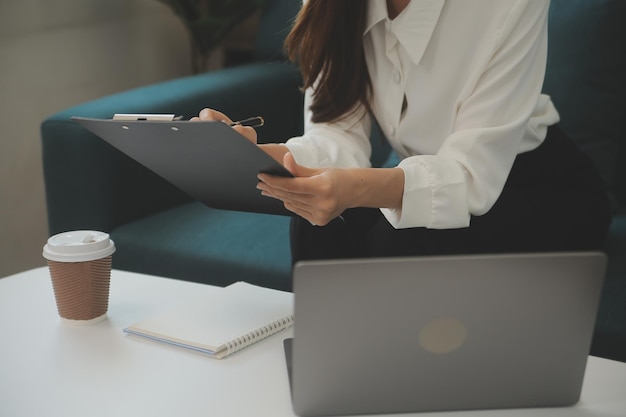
<point>80,268</point>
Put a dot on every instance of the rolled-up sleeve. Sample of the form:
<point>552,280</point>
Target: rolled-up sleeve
<point>434,191</point>
<point>503,116</point>
<point>342,144</point>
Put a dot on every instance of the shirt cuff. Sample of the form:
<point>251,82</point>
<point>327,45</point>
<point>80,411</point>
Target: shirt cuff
<point>434,196</point>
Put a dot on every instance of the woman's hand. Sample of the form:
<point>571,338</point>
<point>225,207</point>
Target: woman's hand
<point>318,195</point>
<point>321,195</point>
<point>210,114</point>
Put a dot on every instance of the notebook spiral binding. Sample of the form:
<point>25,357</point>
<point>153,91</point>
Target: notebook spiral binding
<point>258,334</point>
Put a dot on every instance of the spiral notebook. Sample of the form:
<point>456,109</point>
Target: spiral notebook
<point>221,322</point>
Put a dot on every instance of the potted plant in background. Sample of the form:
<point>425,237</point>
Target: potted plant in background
<point>209,22</point>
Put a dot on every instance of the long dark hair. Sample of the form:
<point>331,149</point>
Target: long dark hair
<point>327,42</point>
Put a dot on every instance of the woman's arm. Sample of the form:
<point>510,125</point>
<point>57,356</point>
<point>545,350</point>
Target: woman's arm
<point>320,195</point>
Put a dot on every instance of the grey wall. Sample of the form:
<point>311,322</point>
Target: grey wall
<point>58,53</point>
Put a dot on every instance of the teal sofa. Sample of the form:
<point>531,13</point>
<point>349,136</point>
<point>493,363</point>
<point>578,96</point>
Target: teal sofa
<point>159,230</point>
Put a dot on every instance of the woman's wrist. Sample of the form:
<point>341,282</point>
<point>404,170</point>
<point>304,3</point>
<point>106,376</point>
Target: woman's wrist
<point>375,187</point>
<point>275,150</point>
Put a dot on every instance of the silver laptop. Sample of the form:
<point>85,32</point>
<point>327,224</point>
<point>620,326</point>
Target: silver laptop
<point>442,333</point>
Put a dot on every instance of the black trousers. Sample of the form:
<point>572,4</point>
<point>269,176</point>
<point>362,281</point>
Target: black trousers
<point>553,200</point>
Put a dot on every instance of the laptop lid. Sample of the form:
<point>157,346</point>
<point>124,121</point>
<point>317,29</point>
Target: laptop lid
<point>443,333</point>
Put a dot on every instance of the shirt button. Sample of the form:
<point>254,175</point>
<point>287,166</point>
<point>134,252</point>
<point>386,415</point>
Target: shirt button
<point>397,77</point>
<point>392,131</point>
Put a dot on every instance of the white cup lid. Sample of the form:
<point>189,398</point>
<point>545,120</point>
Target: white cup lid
<point>78,246</point>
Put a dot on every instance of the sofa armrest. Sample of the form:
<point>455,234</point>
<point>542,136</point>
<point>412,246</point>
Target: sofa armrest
<point>91,185</point>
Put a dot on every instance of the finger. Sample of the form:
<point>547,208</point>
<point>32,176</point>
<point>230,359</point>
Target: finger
<point>302,202</point>
<point>307,215</point>
<point>298,185</point>
<point>289,162</point>
<point>303,211</point>
<point>285,188</point>
<point>301,205</point>
<point>211,114</point>
<point>301,208</point>
<point>247,132</point>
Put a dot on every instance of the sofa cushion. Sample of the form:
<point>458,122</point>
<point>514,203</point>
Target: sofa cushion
<point>586,75</point>
<point>200,244</point>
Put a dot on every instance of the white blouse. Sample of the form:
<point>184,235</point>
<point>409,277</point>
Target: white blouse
<point>472,73</point>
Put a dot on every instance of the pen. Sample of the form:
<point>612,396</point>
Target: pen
<point>256,121</point>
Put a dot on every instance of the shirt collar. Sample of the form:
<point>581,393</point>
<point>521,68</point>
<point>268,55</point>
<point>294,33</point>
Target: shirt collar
<point>413,27</point>
<point>376,12</point>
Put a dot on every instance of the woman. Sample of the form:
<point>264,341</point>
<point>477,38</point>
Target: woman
<point>456,88</point>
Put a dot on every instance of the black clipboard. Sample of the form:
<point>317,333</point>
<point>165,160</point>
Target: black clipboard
<point>208,160</point>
